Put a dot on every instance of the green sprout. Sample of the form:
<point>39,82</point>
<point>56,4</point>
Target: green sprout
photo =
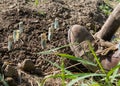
<point>2,79</point>
<point>56,23</point>
<point>17,34</point>
<point>10,40</point>
<point>14,36</point>
<point>50,32</point>
<point>106,9</point>
<point>43,40</point>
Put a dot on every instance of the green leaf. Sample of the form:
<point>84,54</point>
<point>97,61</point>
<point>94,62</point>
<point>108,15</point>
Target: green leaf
<point>96,58</point>
<point>118,83</point>
<point>56,65</point>
<point>51,51</point>
<point>71,83</point>
<point>95,84</point>
<point>36,2</point>
<point>113,71</point>
<point>76,59</point>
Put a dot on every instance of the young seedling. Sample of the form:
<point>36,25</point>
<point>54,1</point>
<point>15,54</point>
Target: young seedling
<point>17,34</point>
<point>43,40</point>
<point>10,40</point>
<point>21,28</point>
<point>56,23</point>
<point>14,36</point>
<point>50,32</point>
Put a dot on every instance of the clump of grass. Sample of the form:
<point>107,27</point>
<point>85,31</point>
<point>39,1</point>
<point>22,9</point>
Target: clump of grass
<point>106,9</point>
<point>83,79</point>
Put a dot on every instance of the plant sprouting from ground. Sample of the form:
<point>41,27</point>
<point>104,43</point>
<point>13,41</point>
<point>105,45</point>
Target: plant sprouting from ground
<point>50,32</point>
<point>43,40</point>
<point>17,35</point>
<point>100,78</point>
<point>14,36</point>
<point>10,42</point>
<point>3,80</point>
<point>106,9</point>
<point>56,24</point>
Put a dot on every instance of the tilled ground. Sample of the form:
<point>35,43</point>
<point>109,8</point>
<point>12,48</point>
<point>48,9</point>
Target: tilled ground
<point>37,20</point>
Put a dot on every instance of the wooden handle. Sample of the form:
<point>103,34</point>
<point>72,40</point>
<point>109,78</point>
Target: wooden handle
<point>111,25</point>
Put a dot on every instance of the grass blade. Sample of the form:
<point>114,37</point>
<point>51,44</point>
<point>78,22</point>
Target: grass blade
<point>56,65</point>
<point>78,59</point>
<point>51,51</point>
<point>113,71</point>
<point>96,58</point>
<point>83,76</point>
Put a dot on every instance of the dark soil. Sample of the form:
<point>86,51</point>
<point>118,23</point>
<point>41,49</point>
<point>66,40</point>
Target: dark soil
<point>37,20</point>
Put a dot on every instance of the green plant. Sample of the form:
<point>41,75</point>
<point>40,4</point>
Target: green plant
<point>106,9</point>
<point>96,58</point>
<point>118,0</point>
<point>10,42</point>
<point>3,80</point>
<point>43,40</point>
<point>83,79</point>
<point>56,23</point>
<point>36,2</point>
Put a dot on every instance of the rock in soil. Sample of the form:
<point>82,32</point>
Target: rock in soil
<point>10,81</point>
<point>10,71</point>
<point>28,65</point>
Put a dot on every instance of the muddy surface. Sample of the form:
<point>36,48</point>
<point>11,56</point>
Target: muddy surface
<point>37,20</point>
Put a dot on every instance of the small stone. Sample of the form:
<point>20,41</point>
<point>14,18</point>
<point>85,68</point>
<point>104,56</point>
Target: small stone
<point>88,24</point>
<point>12,6</point>
<point>35,21</point>
<point>10,71</point>
<point>10,81</point>
<point>28,65</point>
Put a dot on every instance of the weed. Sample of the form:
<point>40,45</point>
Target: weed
<point>106,9</point>
<point>85,79</point>
<point>3,80</point>
<point>56,23</point>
